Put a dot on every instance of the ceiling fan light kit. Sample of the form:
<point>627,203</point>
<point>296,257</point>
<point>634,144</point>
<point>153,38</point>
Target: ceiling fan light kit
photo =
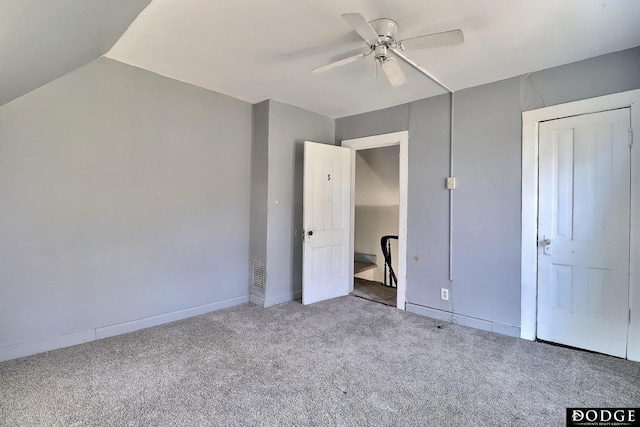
<point>381,38</point>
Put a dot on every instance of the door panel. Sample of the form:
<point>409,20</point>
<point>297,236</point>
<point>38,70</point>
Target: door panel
<point>326,220</point>
<point>583,229</point>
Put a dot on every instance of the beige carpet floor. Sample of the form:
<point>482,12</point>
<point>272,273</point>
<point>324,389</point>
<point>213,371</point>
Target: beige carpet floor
<point>343,362</point>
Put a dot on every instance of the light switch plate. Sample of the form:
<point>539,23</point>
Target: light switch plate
<point>451,183</point>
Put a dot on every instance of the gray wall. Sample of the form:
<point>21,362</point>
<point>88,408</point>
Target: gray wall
<point>485,291</point>
<point>289,127</point>
<point>123,195</point>
<point>378,176</point>
<point>428,202</point>
<point>259,189</point>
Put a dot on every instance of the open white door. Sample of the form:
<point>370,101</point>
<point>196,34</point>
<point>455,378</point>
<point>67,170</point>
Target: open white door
<point>583,234</point>
<point>326,222</point>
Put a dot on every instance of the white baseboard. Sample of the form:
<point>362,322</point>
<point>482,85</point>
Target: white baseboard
<point>147,322</point>
<point>256,299</point>
<point>472,322</point>
<point>279,299</point>
<point>40,346</point>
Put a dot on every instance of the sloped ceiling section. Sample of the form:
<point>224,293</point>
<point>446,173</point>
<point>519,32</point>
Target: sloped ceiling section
<point>41,40</point>
<point>256,50</point>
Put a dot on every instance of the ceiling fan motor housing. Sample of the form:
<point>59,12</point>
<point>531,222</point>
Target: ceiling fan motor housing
<point>387,30</point>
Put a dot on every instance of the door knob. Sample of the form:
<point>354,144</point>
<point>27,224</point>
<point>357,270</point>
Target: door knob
<point>546,245</point>
<point>310,233</point>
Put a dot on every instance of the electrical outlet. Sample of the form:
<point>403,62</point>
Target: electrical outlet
<point>444,294</point>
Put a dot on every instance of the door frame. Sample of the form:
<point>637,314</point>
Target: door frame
<point>376,141</point>
<point>529,248</point>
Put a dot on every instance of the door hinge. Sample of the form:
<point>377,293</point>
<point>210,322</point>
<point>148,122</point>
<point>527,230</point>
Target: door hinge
<point>630,137</point>
<point>629,317</point>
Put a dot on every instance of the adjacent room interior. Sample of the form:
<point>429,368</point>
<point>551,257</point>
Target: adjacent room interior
<point>184,212</point>
<point>377,196</point>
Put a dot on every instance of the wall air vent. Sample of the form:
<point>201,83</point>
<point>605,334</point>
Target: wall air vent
<point>258,274</point>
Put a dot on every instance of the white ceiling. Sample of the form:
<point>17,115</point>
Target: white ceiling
<point>257,50</point>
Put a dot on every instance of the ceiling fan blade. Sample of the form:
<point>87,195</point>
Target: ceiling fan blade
<point>361,26</point>
<point>446,38</point>
<point>339,63</point>
<point>394,73</point>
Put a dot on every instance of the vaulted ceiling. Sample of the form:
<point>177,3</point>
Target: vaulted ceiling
<point>41,40</point>
<point>256,50</point>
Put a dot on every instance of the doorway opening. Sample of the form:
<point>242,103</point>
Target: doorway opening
<point>376,222</point>
<point>379,217</point>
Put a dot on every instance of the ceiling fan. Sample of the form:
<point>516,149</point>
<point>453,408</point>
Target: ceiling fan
<point>380,36</point>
